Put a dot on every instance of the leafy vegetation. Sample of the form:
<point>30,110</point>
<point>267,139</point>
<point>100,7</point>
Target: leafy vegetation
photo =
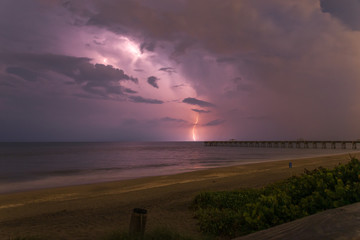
<point>237,213</point>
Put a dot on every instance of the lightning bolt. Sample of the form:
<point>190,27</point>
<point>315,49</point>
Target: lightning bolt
<point>194,127</point>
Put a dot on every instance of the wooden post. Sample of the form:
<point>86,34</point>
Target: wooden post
<point>137,222</point>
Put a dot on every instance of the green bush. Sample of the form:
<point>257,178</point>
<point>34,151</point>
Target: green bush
<point>236,213</point>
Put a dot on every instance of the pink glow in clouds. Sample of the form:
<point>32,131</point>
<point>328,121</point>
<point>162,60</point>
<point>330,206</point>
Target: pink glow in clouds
<point>141,70</point>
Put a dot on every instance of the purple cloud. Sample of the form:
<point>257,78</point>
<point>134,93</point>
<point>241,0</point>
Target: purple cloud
<point>346,10</point>
<point>23,73</point>
<point>153,81</point>
<point>169,70</point>
<point>149,46</point>
<point>174,120</point>
<point>59,62</point>
<point>214,123</point>
<point>200,103</point>
<point>97,79</point>
<point>139,99</point>
<point>200,110</point>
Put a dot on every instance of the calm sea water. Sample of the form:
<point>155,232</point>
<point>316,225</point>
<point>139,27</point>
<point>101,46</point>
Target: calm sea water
<point>27,166</point>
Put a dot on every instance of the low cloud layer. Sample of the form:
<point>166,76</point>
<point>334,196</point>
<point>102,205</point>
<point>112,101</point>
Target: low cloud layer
<point>97,79</point>
<point>197,102</point>
<point>169,70</point>
<point>215,122</point>
<point>200,110</point>
<point>139,99</point>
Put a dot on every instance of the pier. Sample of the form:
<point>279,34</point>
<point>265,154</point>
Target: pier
<point>286,144</point>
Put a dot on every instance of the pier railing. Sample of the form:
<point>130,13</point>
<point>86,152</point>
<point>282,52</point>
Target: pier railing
<point>286,144</point>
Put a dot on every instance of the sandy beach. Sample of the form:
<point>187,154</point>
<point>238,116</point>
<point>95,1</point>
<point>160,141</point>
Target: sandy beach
<point>93,211</point>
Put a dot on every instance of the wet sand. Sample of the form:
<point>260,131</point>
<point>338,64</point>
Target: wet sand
<point>93,211</point>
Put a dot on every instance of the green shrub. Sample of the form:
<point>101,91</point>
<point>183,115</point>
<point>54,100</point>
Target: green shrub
<point>236,213</point>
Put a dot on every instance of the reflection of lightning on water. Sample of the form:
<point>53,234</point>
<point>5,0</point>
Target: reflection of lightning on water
<point>194,127</point>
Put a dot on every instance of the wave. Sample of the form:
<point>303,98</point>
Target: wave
<point>71,172</point>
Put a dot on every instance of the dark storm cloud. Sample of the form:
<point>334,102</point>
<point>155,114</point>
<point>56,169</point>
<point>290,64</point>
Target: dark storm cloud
<point>226,60</point>
<point>178,86</point>
<point>99,94</point>
<point>236,87</point>
<point>98,43</point>
<point>149,46</point>
<point>214,123</point>
<point>205,23</point>
<point>23,73</point>
<point>26,25</point>
<point>139,99</point>
<point>111,13</point>
<point>200,111</point>
<point>348,11</point>
<point>106,91</point>
<point>153,81</point>
<point>98,79</point>
<point>80,69</point>
<point>128,90</point>
<point>200,103</point>
<point>168,70</point>
<point>169,121</point>
<point>154,23</point>
<point>298,63</point>
<point>6,84</point>
<point>8,80</point>
<point>175,120</point>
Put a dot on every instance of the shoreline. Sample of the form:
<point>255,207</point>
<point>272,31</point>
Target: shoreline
<point>74,212</point>
<point>67,181</point>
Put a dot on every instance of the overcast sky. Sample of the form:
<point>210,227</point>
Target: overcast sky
<point>134,70</point>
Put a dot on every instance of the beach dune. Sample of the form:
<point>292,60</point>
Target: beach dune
<point>95,210</point>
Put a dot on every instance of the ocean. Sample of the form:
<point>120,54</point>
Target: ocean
<point>29,166</point>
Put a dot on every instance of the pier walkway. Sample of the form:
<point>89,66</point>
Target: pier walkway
<point>286,144</point>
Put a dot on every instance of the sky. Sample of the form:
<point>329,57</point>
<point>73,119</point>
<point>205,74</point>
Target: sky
<point>179,70</point>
